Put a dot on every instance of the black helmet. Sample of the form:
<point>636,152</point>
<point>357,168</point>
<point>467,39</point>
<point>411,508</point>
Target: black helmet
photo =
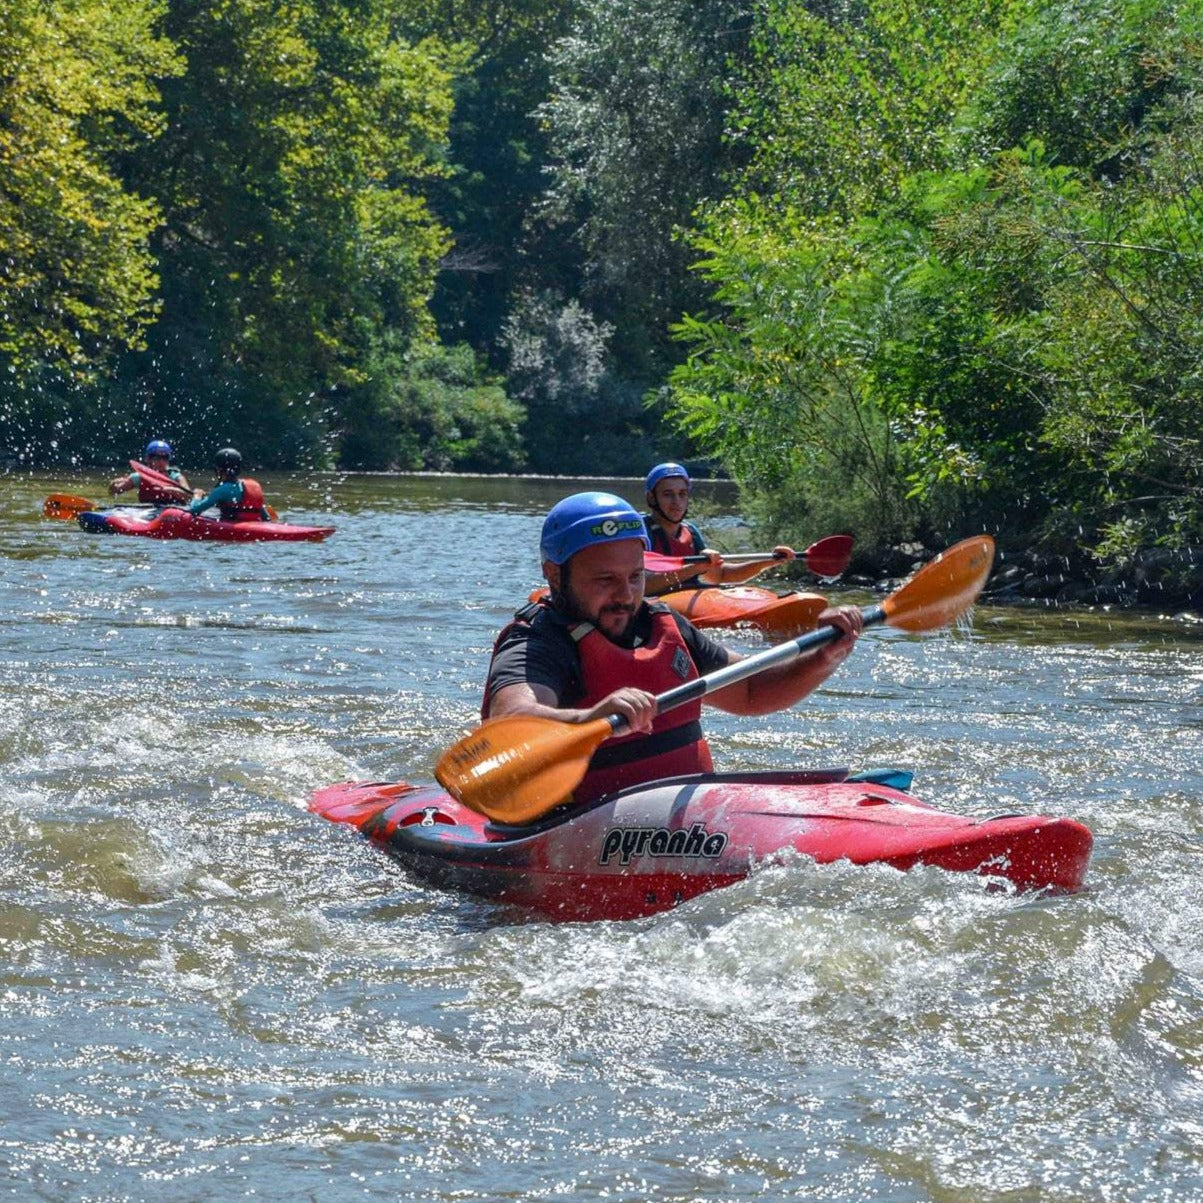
<point>227,461</point>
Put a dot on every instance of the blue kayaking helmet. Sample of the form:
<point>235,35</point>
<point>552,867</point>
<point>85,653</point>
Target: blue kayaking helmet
<point>158,447</point>
<point>584,519</point>
<point>663,472</point>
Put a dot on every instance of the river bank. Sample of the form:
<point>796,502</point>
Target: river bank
<point>1161,579</point>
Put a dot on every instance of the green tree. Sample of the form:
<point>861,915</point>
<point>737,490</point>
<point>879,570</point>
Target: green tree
<point>635,119</point>
<point>497,157</point>
<point>430,408</point>
<point>1088,79</point>
<point>77,276</point>
<point>292,175</point>
<point>796,377</point>
<point>1014,343</point>
<point>839,102</point>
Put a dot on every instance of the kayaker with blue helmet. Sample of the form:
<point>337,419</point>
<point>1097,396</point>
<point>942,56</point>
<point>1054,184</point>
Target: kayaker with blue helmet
<point>595,647</point>
<point>239,498</point>
<point>158,455</point>
<point>668,490</point>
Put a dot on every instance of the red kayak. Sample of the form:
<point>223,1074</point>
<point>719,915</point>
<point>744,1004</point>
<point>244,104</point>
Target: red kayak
<point>172,523</point>
<point>651,847</point>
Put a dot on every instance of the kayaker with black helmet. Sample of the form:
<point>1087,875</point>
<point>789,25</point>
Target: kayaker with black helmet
<point>239,498</point>
<point>669,488</point>
<point>158,455</point>
<point>595,647</point>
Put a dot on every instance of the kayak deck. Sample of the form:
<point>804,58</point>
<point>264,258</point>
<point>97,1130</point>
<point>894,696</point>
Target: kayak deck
<point>173,523</point>
<point>649,848</point>
<point>781,616</point>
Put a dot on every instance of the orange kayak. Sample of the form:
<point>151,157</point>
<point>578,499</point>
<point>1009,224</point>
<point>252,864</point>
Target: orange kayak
<point>781,616</point>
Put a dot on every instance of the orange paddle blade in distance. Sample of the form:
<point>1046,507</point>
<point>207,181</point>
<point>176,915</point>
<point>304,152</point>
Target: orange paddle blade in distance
<point>64,505</point>
<point>516,768</point>
<point>943,589</point>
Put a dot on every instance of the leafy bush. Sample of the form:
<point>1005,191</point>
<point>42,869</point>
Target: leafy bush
<point>430,410</point>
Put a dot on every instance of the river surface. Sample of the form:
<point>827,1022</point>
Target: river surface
<point>207,992</point>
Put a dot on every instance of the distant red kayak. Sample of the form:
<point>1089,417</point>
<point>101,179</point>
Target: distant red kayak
<point>651,847</point>
<point>172,523</point>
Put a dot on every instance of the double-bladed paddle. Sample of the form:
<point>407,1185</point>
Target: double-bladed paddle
<point>68,506</point>
<point>516,768</point>
<point>827,558</point>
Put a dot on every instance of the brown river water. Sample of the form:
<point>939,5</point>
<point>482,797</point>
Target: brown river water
<point>207,992</point>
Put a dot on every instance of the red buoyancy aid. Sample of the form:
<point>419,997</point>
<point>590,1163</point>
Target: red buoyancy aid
<point>666,545</point>
<point>676,744</point>
<point>251,505</point>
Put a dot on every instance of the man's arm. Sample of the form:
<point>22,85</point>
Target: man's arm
<point>533,672</point>
<point>636,706</point>
<point>734,574</point>
<point>656,583</point>
<point>778,688</point>
<point>226,491</point>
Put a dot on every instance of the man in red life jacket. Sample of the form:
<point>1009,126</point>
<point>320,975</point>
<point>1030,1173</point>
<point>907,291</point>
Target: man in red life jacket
<point>157,456</point>
<point>240,499</point>
<point>595,647</point>
<point>668,489</point>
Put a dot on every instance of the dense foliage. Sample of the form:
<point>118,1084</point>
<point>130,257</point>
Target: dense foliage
<point>958,283</point>
<point>901,269</point>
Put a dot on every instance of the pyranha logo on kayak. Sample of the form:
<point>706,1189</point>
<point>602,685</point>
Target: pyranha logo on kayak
<point>626,843</point>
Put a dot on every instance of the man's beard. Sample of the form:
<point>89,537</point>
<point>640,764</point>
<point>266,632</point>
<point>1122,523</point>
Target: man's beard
<point>566,600</point>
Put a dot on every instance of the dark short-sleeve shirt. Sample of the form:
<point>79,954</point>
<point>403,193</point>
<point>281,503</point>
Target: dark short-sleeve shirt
<point>542,652</point>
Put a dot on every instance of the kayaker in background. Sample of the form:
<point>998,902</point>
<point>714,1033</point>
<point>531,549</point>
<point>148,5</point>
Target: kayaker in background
<point>668,490</point>
<point>238,498</point>
<point>157,456</point>
<point>596,647</point>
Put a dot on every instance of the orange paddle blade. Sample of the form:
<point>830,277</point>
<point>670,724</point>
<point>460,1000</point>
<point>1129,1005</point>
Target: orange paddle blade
<point>943,589</point>
<point>516,768</point>
<point>64,505</point>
